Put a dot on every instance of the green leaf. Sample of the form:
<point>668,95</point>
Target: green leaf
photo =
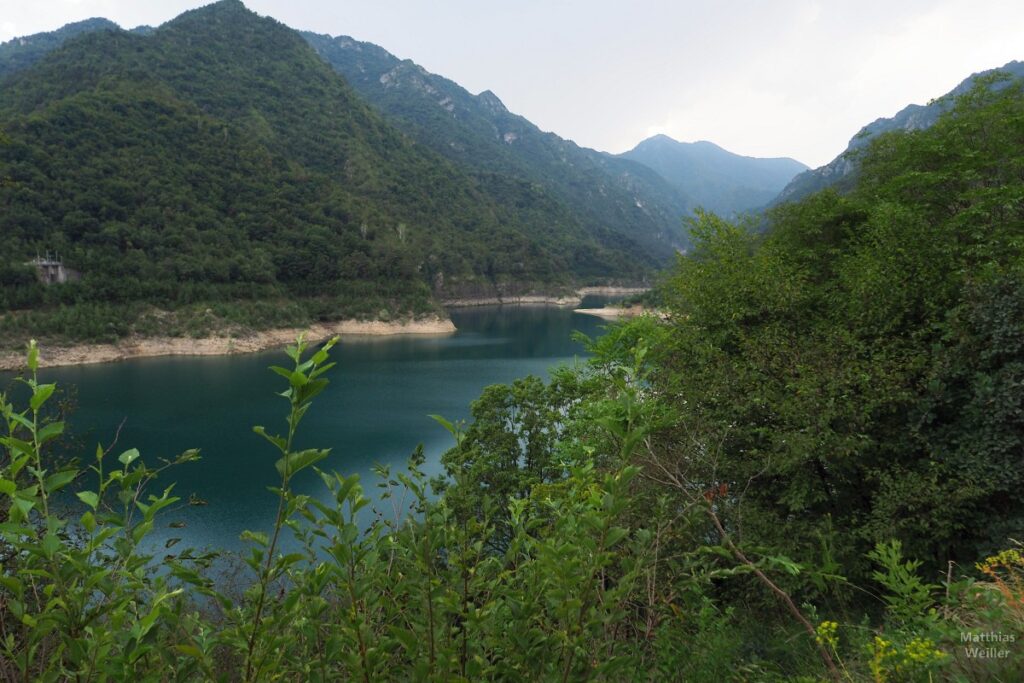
<point>50,545</point>
<point>278,442</point>
<point>51,431</point>
<point>23,505</point>
<point>287,374</point>
<point>89,498</point>
<point>444,423</point>
<point>189,651</point>
<point>311,389</point>
<point>59,480</point>
<point>40,395</point>
<point>22,420</point>
<point>18,446</point>
<point>785,563</point>
<point>296,462</point>
<point>407,638</point>
<point>615,534</point>
<point>257,537</point>
<point>128,457</point>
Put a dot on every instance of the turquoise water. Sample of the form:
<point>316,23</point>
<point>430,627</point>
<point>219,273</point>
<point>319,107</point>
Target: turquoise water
<point>375,410</point>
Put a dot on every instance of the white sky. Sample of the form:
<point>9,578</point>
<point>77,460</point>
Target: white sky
<point>782,78</point>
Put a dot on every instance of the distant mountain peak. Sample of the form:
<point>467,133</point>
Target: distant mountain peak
<point>492,102</point>
<point>221,9</point>
<point>226,5</point>
<point>659,138</point>
<point>715,178</point>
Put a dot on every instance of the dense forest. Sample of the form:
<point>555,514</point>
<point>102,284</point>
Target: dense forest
<point>216,164</point>
<point>808,469</point>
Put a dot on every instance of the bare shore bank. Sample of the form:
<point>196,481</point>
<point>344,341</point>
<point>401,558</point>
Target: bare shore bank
<point>610,313</point>
<point>215,346</point>
<point>619,312</point>
<point>543,299</point>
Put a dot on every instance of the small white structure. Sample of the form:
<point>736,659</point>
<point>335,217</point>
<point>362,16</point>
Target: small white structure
<point>50,269</point>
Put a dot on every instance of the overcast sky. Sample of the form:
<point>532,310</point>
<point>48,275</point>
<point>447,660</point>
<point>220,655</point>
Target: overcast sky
<point>781,78</point>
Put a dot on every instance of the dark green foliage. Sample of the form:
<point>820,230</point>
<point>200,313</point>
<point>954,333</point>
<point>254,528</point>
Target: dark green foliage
<point>971,422</point>
<point>856,364</point>
<point>514,444</point>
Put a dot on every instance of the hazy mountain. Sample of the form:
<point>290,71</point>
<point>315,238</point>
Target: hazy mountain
<point>840,172</point>
<point>714,178</point>
<point>610,196</point>
<point>218,157</point>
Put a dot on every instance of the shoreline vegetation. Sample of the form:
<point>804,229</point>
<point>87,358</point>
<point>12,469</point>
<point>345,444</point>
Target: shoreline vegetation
<point>252,341</point>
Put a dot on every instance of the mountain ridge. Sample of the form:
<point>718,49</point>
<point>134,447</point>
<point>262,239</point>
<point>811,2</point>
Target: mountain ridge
<point>713,177</point>
<point>615,199</point>
<point>611,197</point>
<point>841,171</point>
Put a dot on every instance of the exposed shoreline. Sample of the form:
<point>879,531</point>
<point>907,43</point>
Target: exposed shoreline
<point>565,300</point>
<point>523,300</point>
<point>621,312</point>
<point>148,347</point>
<point>611,312</point>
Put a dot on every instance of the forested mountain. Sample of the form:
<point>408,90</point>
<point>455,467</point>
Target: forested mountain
<point>713,178</point>
<point>841,171</point>
<point>610,196</point>
<point>217,158</point>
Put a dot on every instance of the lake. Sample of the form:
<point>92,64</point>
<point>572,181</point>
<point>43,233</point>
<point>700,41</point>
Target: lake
<point>374,411</point>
